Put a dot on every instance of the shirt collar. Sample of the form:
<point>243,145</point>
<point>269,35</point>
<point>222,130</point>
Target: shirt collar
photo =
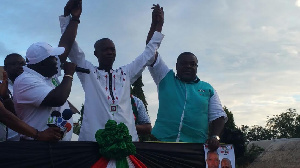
<point>196,80</point>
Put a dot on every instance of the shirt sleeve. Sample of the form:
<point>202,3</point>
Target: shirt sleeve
<point>76,55</point>
<point>30,90</point>
<point>215,108</point>
<point>159,70</point>
<point>136,67</point>
<point>143,117</point>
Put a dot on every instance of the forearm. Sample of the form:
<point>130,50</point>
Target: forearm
<point>150,33</point>
<point>159,70</point>
<point>67,39</point>
<point>14,123</point>
<point>76,55</point>
<point>143,129</point>
<point>9,105</point>
<point>136,67</point>
<point>58,96</point>
<point>217,126</point>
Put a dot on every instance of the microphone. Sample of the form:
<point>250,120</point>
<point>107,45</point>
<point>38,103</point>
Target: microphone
<point>55,114</point>
<point>67,114</point>
<point>68,126</point>
<point>78,69</point>
<point>52,120</point>
<point>59,120</point>
<point>82,70</point>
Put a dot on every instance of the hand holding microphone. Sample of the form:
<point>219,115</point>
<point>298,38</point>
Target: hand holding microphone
<point>69,68</point>
<point>77,69</point>
<point>60,120</point>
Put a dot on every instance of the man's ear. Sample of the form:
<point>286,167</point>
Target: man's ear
<point>176,66</point>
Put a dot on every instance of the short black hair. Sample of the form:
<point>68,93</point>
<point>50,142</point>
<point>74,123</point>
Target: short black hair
<point>98,42</point>
<point>9,56</point>
<point>184,54</point>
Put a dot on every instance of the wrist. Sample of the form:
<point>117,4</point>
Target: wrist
<point>216,137</point>
<point>75,19</point>
<point>36,136</point>
<point>68,76</point>
<point>3,98</point>
<point>153,24</point>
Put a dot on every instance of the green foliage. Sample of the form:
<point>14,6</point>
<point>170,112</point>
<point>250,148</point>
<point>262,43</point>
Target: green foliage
<point>256,133</point>
<point>285,125</point>
<point>230,122</point>
<point>137,91</point>
<point>251,154</point>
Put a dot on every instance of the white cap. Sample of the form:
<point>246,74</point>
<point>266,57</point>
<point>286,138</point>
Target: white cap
<point>39,51</point>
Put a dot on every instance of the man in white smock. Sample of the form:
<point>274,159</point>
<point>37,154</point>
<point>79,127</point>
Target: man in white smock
<point>107,91</point>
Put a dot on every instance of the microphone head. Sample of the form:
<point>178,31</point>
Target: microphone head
<point>59,120</point>
<point>67,114</point>
<point>68,126</point>
<point>52,121</point>
<point>56,114</point>
<point>62,124</point>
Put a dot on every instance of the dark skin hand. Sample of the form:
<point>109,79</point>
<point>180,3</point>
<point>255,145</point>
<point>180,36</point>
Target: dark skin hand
<point>157,21</point>
<point>50,134</point>
<point>4,86</point>
<point>70,6</point>
<point>216,128</point>
<point>7,102</point>
<point>156,24</point>
<point>143,129</point>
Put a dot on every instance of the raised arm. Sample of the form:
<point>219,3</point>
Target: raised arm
<point>157,21</point>
<point>59,95</point>
<point>156,24</point>
<point>73,7</point>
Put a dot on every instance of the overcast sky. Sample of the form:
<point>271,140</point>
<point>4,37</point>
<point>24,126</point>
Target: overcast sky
<point>247,50</point>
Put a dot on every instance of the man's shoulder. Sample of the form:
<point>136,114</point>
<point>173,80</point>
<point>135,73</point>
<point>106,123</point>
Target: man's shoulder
<point>205,83</point>
<point>27,80</point>
<point>170,73</point>
<point>25,77</point>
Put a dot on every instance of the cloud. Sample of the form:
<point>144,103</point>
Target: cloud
<point>247,50</point>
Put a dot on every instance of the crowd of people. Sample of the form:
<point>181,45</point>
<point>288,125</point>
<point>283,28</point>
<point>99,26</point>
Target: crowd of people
<point>31,94</point>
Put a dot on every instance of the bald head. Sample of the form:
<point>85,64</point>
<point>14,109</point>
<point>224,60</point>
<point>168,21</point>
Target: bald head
<point>100,43</point>
<point>184,54</point>
<point>226,163</point>
<point>105,51</point>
